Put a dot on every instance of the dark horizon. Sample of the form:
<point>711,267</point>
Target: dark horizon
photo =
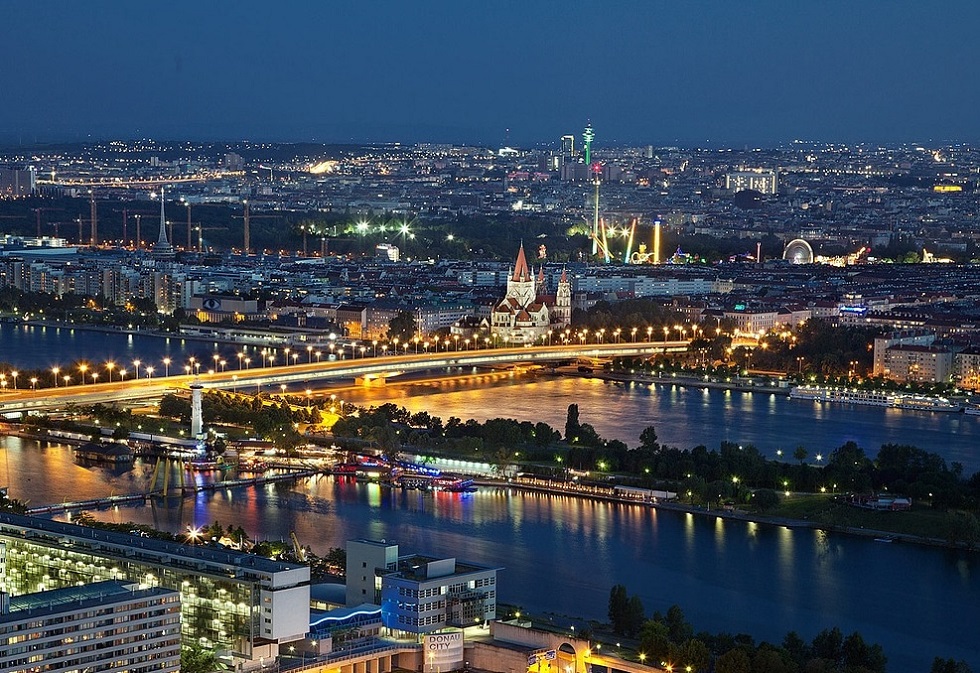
<point>692,74</point>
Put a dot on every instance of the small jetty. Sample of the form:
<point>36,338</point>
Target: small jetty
<point>184,491</point>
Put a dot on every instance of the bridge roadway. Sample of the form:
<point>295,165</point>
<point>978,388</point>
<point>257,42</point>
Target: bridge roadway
<point>366,368</point>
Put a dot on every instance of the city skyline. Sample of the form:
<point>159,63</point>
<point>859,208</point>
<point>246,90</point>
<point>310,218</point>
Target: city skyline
<point>702,73</point>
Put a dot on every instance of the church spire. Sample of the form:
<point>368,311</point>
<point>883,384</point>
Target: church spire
<point>521,270</point>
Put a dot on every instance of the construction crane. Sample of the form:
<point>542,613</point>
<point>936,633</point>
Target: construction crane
<point>125,224</point>
<point>94,220</point>
<point>248,217</point>
<point>37,215</point>
<point>200,234</point>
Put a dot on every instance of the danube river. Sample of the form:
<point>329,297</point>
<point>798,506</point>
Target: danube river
<point>561,554</point>
<point>685,417</point>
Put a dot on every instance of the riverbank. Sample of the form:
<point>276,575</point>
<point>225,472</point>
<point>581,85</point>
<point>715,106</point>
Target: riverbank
<point>704,383</point>
<point>882,535</point>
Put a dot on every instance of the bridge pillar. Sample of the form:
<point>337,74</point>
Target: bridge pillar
<point>372,380</point>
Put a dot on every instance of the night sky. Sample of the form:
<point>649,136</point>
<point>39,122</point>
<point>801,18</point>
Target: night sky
<point>729,72</point>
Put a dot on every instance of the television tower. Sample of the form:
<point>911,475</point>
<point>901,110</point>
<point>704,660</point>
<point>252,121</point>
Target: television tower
<point>588,136</point>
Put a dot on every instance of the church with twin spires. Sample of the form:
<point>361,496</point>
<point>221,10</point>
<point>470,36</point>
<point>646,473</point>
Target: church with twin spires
<point>527,312</point>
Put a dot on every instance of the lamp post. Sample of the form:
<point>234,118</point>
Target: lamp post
<point>136,365</point>
<point>166,364</point>
<point>13,375</point>
<point>54,371</point>
<point>109,367</point>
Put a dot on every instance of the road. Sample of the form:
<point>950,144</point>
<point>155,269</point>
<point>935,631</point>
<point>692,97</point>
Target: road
<point>364,369</point>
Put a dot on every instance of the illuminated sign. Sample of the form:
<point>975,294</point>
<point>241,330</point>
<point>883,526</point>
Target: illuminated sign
<point>944,189</point>
<point>443,651</point>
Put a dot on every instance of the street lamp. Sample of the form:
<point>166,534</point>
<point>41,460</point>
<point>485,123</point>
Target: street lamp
<point>136,364</point>
<point>83,369</point>
<point>109,367</point>
<point>149,372</point>
<point>309,352</point>
<point>33,383</point>
<point>55,370</point>
<point>166,364</point>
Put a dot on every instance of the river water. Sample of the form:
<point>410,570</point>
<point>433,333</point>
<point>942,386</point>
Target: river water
<point>562,555</point>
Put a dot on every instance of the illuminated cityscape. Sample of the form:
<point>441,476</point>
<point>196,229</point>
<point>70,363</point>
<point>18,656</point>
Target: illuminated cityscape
<point>624,338</point>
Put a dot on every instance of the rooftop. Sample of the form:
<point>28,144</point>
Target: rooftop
<point>55,601</point>
<point>202,559</point>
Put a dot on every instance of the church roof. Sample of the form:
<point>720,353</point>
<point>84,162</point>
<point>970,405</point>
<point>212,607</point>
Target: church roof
<point>521,270</point>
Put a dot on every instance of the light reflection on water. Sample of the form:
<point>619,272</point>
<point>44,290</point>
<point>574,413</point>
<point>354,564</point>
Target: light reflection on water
<point>562,554</point>
<point>687,417</point>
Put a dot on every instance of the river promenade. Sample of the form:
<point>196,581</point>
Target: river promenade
<point>586,492</point>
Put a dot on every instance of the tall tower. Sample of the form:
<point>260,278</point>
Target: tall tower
<point>588,136</point>
<point>162,247</point>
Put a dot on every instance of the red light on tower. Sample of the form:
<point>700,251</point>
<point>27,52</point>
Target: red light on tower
<point>596,167</point>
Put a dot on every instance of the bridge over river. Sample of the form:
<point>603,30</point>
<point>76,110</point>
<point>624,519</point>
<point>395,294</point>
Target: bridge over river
<point>366,370</point>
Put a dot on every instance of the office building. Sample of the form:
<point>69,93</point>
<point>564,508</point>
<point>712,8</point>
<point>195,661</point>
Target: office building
<point>105,626</point>
<point>419,594</point>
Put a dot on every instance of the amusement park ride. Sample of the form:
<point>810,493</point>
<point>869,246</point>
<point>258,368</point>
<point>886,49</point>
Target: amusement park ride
<point>602,235</point>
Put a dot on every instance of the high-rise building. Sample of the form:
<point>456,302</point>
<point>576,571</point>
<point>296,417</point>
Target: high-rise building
<point>104,626</point>
<point>762,181</point>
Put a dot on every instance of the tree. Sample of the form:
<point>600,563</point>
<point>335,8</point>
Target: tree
<point>655,640</point>
<point>765,499</point>
<point>648,439</point>
<point>733,661</point>
<point>680,630</point>
<point>694,655</point>
<point>572,425</point>
<point>618,606</point>
<point>635,616</point>
<point>940,665</point>
<point>402,326</point>
<point>829,644</point>
<point>195,659</point>
<point>800,453</point>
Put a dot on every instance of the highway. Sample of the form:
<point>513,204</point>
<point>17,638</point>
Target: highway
<point>366,369</point>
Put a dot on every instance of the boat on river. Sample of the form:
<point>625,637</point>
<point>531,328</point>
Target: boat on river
<point>875,398</point>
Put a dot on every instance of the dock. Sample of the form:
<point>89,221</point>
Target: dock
<point>140,498</point>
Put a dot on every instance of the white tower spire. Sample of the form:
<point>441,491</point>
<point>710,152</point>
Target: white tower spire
<point>162,248</point>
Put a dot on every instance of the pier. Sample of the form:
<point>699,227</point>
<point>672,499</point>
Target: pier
<point>139,498</point>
